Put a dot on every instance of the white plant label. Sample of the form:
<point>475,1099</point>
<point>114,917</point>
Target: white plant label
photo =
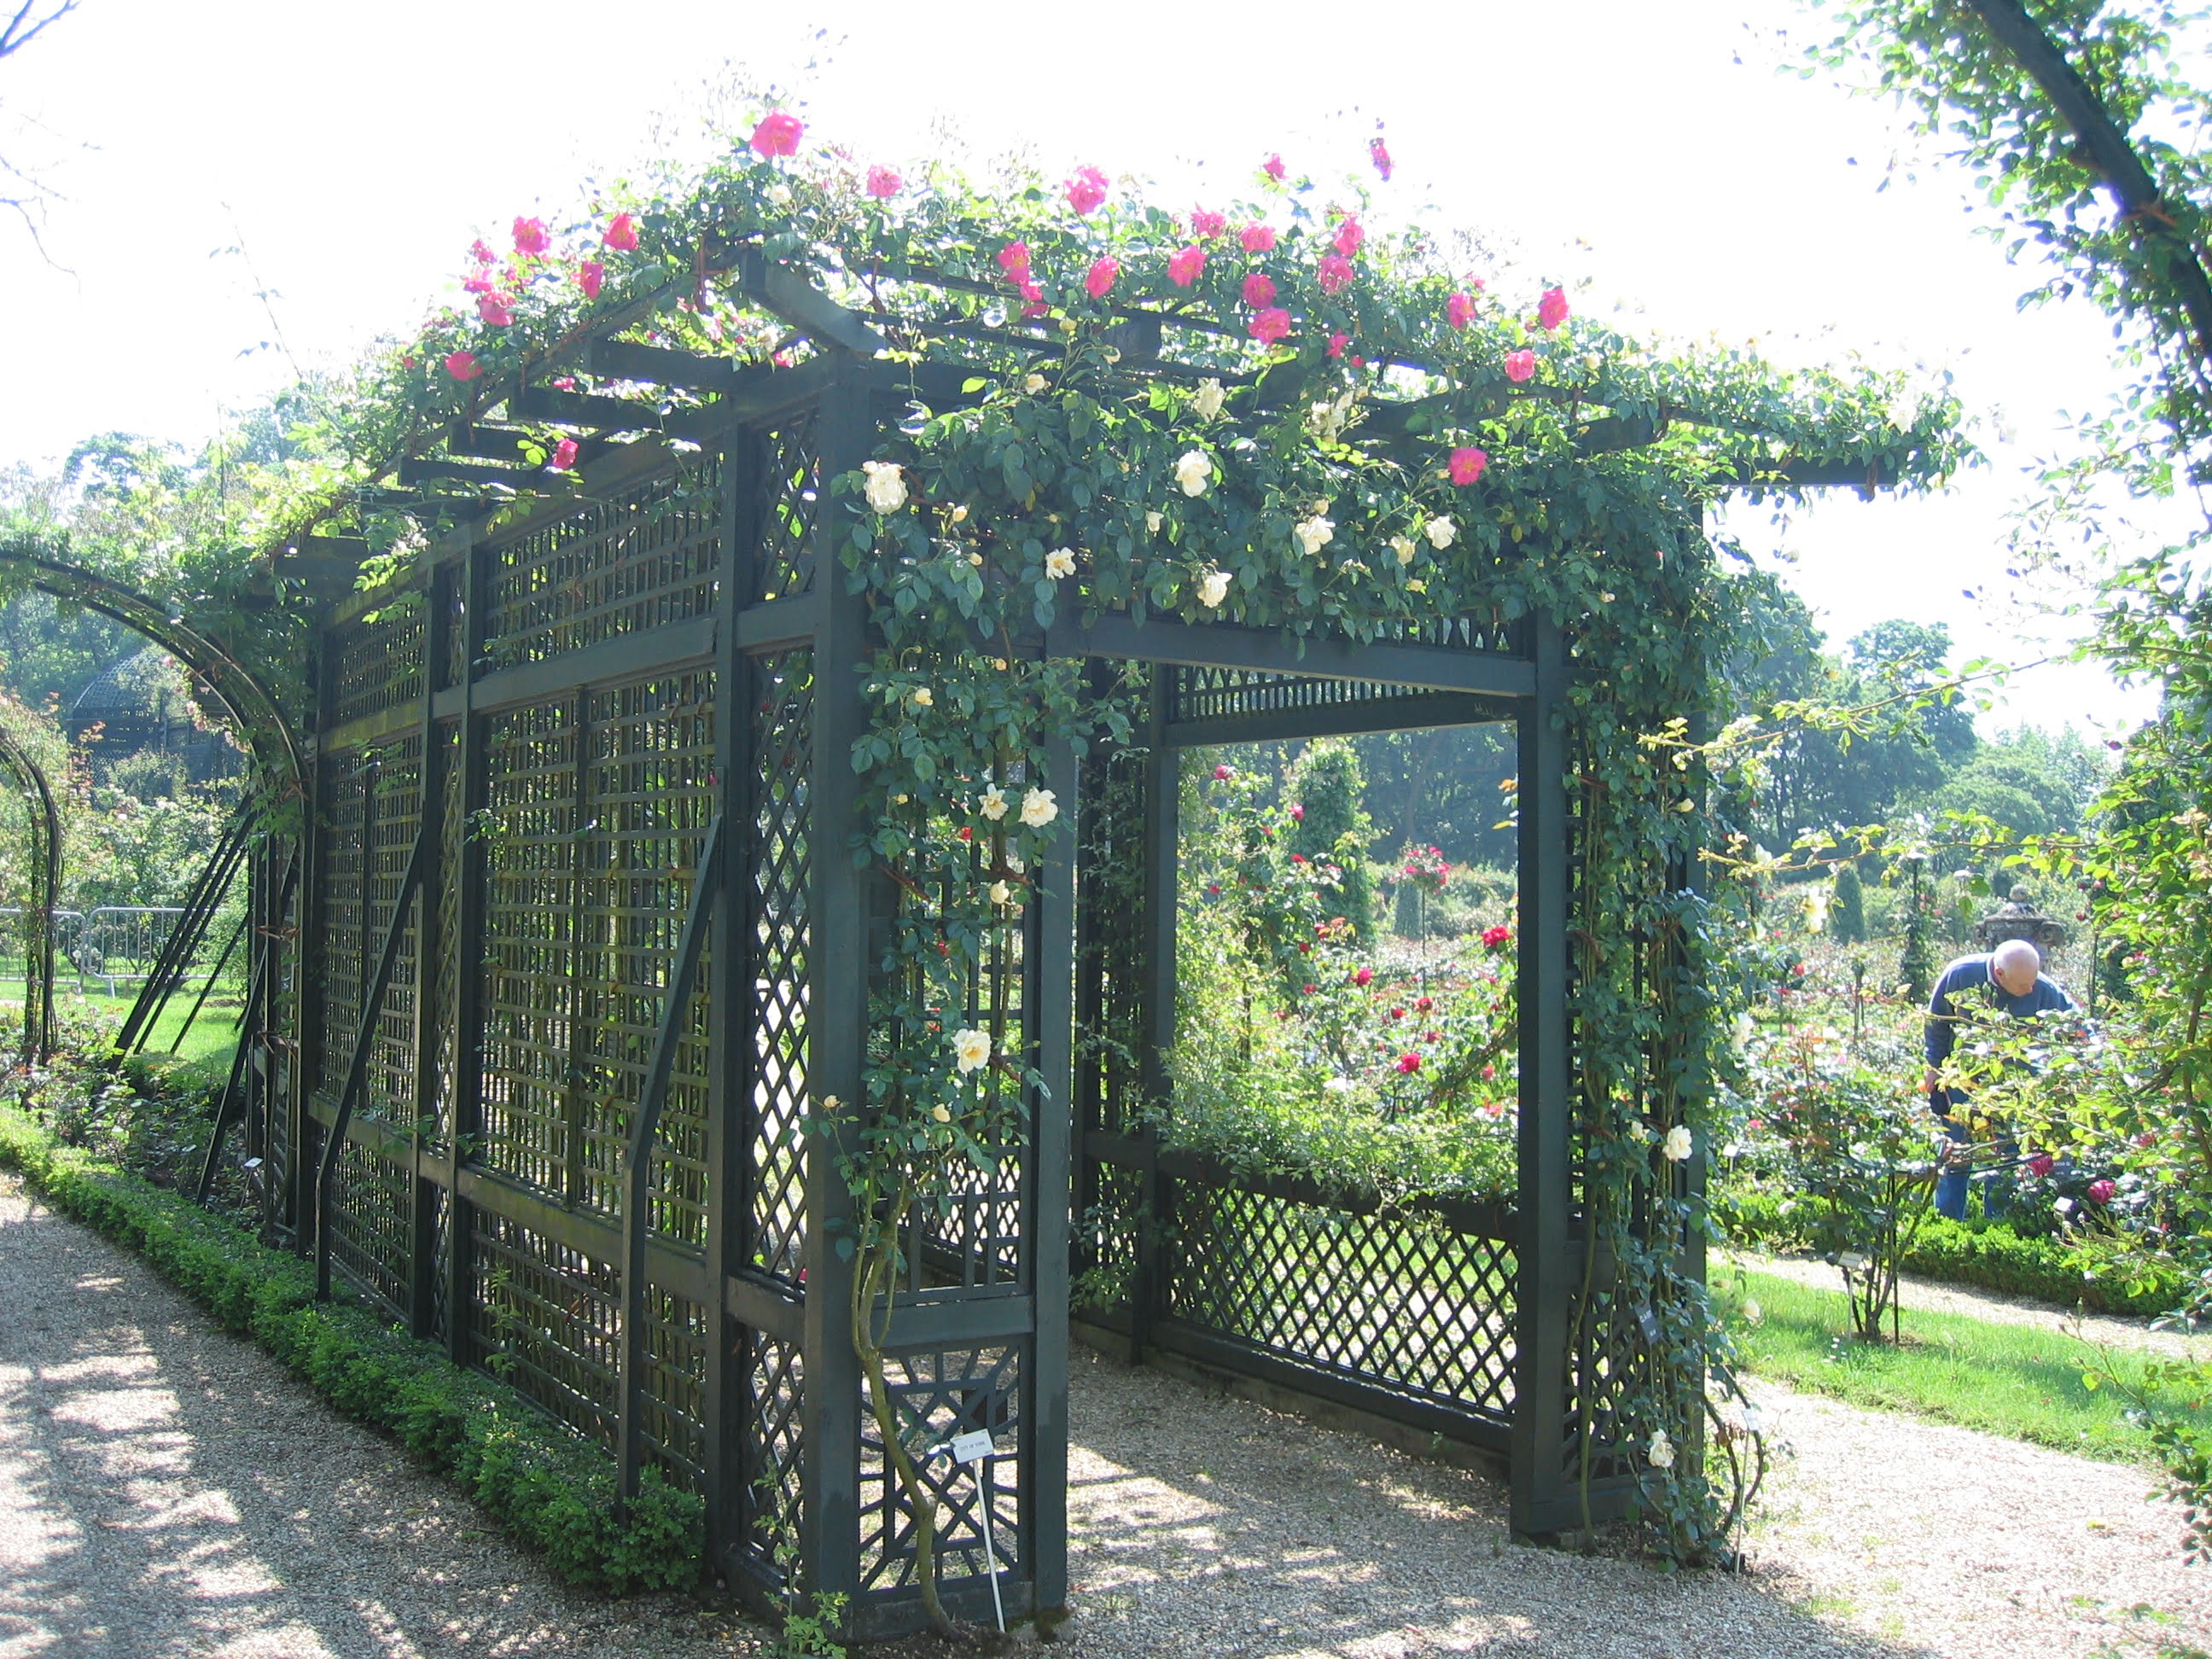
<point>974,1446</point>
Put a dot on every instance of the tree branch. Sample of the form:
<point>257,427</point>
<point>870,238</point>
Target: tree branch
<point>2106,149</point>
<point>14,37</point>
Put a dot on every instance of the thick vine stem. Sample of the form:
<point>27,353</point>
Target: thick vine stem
<point>878,1264</point>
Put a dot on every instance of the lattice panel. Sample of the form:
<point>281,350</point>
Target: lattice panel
<point>639,560</point>
<point>441,1257</point>
<point>1490,636</point>
<point>1109,941</point>
<point>649,786</point>
<point>1398,1300</point>
<point>372,1223</point>
<point>1212,693</point>
<point>377,663</point>
<point>791,480</point>
<point>674,1426</point>
<point>529,852</point>
<point>935,1396</point>
<point>779,870</point>
<point>452,602</point>
<point>338,895</point>
<point>396,812</point>
<point>773,1436</point>
<point>445,973</point>
<point>1103,1237</point>
<point>548,1318</point>
<point>1601,1372</point>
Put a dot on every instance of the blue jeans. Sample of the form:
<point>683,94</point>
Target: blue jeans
<point>1951,1184</point>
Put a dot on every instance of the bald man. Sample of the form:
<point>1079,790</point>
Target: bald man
<point>2009,980</point>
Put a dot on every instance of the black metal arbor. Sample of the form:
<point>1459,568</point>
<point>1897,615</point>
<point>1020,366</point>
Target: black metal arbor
<point>43,827</point>
<point>561,965</point>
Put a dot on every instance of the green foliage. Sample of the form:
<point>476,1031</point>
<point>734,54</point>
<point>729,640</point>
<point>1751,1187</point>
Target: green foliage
<point>1328,785</point>
<point>1917,964</point>
<point>552,1490</point>
<point>1847,918</point>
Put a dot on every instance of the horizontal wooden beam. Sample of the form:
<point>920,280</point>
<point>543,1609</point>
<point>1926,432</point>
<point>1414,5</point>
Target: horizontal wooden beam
<point>779,624</point>
<point>669,649</point>
<point>620,360</point>
<point>1221,645</point>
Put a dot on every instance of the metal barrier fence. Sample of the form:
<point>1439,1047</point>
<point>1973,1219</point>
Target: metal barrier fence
<point>111,944</point>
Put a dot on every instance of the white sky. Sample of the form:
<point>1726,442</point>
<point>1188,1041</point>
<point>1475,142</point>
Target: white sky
<point>356,151</point>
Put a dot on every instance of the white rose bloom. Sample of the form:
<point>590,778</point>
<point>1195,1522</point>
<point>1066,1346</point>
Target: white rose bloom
<point>1314,534</point>
<point>1441,532</point>
<point>886,485</point>
<point>922,696</point>
<point>779,195</point>
<point>973,1048</point>
<point>1060,561</point>
<point>1000,892</point>
<point>1746,1028</point>
<point>1677,1144</point>
<point>1212,588</point>
<point>1154,520</point>
<point>1753,1313</point>
<point>1661,1452</point>
<point>1039,809</point>
<point>1194,472</point>
<point>994,803</point>
<point>1033,384</point>
<point>1208,400</point>
<point>1403,547</point>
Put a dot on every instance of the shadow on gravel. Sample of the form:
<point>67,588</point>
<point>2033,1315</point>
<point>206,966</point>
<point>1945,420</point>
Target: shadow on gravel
<point>166,1491</point>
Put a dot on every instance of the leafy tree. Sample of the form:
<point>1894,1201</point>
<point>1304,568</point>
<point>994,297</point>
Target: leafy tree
<point>1847,913</point>
<point>1327,785</point>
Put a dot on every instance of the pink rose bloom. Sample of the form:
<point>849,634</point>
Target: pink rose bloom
<point>529,237</point>
<point>1103,273</point>
<point>1409,1064</point>
<point>1467,464</point>
<point>1033,303</point>
<point>1492,938</point>
<point>564,454</point>
<point>1520,365</point>
<point>589,276</point>
<point>479,283</point>
<point>1259,289</point>
<point>1459,310</point>
<point>1222,773</point>
<point>2042,1164</point>
<point>464,366</point>
<point>496,309</point>
<point>1349,236</point>
<point>1552,309</point>
<point>482,254</point>
<point>1183,268</point>
<point>2102,1191</point>
<point>1333,273</point>
<point>1363,977</point>
<point>883,181</point>
<point>622,233</point>
<point>778,133</point>
<point>1204,223</point>
<point>1297,813</point>
<point>1014,260</point>
<point>1381,153</point>
<point>1086,190</point>
<point>1337,341</point>
<point>1269,326</point>
<point>1273,167</point>
<point>1257,239</point>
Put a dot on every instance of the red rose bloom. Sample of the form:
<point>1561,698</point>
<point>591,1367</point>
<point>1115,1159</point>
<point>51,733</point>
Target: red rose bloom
<point>622,233</point>
<point>529,237</point>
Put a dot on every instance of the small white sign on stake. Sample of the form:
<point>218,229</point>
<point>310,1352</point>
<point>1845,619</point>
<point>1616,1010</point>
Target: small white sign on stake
<point>974,1446</point>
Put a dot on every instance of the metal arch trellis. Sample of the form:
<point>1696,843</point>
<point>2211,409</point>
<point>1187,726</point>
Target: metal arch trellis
<point>44,824</point>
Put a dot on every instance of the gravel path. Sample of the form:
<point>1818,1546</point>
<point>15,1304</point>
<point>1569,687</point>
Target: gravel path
<point>166,1490</point>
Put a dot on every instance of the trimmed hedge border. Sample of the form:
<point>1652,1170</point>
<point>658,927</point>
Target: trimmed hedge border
<point>550,1488</point>
<point>1991,1258</point>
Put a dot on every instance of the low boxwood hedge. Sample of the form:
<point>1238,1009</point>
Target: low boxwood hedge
<point>549,1487</point>
<point>1986,1255</point>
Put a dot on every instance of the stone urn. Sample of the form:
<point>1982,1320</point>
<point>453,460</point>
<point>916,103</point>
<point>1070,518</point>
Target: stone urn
<point>2018,918</point>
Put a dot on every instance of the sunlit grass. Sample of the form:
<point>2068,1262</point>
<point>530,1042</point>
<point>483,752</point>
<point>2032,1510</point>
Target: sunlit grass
<point>2021,1381</point>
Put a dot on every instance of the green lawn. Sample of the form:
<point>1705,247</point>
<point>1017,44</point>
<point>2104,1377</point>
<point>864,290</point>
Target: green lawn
<point>2021,1381</point>
<point>213,1033</point>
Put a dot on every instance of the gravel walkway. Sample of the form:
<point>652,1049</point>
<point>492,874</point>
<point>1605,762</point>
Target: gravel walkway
<point>166,1490</point>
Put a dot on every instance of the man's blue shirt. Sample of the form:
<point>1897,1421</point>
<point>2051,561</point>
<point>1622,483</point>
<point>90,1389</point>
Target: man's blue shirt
<point>1956,999</point>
